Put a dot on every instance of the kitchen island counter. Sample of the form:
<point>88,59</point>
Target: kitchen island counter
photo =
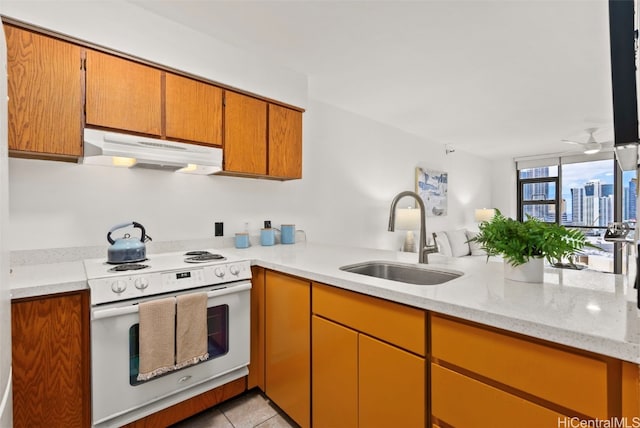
<point>589,310</point>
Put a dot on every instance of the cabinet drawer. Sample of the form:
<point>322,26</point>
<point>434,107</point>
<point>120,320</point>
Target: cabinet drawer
<point>392,322</point>
<point>574,381</point>
<point>464,402</point>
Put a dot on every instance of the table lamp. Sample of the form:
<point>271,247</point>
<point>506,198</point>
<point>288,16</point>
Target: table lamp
<point>484,214</point>
<point>408,219</point>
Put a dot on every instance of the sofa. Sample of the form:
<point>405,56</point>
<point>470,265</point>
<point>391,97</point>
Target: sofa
<point>455,243</point>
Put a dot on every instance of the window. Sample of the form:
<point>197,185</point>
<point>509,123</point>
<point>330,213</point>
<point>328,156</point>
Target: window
<point>538,193</point>
<point>582,192</point>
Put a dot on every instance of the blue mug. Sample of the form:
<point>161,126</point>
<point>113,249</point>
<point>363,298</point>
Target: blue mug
<point>242,240</point>
<point>288,233</point>
<point>267,237</point>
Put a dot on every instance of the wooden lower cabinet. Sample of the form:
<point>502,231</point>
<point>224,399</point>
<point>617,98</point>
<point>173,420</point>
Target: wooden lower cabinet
<point>256,363</point>
<point>288,345</point>
<point>51,361</point>
<point>359,380</point>
<point>368,366</point>
<point>334,374</point>
<point>630,390</point>
<point>464,402</point>
<point>391,385</point>
<point>497,376</point>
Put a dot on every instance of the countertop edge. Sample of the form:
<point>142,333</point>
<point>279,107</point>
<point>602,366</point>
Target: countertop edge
<point>47,290</point>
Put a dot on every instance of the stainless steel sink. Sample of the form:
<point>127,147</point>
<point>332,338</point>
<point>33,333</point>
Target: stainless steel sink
<point>402,272</point>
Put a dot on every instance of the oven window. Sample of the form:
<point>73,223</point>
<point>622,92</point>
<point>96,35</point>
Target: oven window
<point>217,341</point>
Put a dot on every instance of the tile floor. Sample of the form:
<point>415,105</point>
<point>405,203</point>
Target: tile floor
<point>250,410</point>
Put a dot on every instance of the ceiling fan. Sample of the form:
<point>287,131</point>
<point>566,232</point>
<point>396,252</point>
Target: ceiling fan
<point>591,146</point>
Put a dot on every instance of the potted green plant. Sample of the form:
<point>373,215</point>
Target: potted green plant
<point>525,245</point>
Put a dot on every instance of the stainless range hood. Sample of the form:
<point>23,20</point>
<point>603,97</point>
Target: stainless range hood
<point>123,150</point>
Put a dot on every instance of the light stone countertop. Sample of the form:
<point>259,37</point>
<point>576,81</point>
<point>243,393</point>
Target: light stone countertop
<point>588,310</point>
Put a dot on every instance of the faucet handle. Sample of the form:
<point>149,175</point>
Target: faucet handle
<point>435,242</point>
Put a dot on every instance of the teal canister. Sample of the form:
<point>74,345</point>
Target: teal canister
<point>242,240</point>
<point>267,237</point>
<point>288,233</point>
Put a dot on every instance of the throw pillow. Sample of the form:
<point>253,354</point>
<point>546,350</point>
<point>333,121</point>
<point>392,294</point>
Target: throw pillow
<point>458,242</point>
<point>476,248</point>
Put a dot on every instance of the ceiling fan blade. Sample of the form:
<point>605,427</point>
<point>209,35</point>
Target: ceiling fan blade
<point>573,142</point>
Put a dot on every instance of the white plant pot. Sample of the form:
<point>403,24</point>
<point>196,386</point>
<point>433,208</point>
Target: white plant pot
<point>531,271</point>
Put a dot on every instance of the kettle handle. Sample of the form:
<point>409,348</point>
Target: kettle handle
<point>143,236</point>
<point>123,225</point>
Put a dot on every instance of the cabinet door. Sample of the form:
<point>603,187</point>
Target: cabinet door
<point>45,94</point>
<point>256,364</point>
<point>285,142</point>
<point>51,366</point>
<point>572,380</point>
<point>245,134</point>
<point>392,388</point>
<point>460,401</point>
<point>193,110</point>
<point>287,346</point>
<point>123,94</point>
<point>335,375</point>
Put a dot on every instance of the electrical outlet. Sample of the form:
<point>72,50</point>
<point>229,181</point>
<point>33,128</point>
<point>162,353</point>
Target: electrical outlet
<point>267,224</point>
<point>219,229</point>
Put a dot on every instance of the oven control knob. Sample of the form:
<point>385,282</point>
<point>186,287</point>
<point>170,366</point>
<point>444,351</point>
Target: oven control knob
<point>118,286</point>
<point>219,272</point>
<point>141,283</point>
<point>235,270</point>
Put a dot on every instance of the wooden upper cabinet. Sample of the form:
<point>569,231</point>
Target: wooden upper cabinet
<point>193,110</point>
<point>285,142</point>
<point>245,134</point>
<point>45,94</point>
<point>123,94</point>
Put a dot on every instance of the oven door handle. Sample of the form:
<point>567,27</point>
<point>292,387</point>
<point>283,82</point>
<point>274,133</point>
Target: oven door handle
<point>131,309</point>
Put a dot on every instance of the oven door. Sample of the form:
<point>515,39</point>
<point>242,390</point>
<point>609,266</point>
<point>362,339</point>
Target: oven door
<point>118,398</point>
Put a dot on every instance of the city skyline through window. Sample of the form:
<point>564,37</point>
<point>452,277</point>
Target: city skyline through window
<point>586,200</point>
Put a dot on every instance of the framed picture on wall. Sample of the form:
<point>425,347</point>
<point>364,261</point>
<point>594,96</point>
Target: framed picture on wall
<point>432,187</point>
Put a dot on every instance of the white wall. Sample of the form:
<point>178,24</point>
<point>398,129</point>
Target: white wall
<point>504,187</point>
<point>352,169</point>
<point>353,166</point>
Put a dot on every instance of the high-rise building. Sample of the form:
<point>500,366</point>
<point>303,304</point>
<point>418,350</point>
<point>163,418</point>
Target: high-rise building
<point>606,189</point>
<point>537,192</point>
<point>605,210</point>
<point>591,203</point>
<point>629,206</point>
<point>577,206</point>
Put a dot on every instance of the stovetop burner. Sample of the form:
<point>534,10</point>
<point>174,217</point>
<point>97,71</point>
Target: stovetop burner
<point>128,266</point>
<point>205,257</point>
<point>196,253</point>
